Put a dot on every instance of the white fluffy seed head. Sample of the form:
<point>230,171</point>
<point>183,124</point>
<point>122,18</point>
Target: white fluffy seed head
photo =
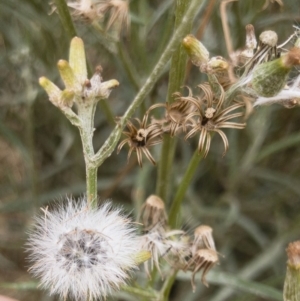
<point>82,252</point>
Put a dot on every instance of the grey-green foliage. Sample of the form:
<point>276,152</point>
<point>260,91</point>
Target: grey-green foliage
<point>250,197</point>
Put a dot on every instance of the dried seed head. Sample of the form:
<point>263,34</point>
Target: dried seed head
<point>204,260</point>
<point>203,239</point>
<point>153,213</point>
<point>155,242</point>
<point>212,116</point>
<point>82,252</point>
<point>269,38</point>
<point>141,137</point>
<point>85,10</point>
<point>172,246</point>
<point>118,12</point>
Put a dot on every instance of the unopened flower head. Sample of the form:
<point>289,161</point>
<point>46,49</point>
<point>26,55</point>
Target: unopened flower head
<point>78,88</point>
<point>82,252</point>
<point>271,77</point>
<point>196,50</point>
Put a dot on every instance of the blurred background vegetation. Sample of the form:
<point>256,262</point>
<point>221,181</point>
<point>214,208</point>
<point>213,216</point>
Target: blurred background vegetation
<point>250,197</point>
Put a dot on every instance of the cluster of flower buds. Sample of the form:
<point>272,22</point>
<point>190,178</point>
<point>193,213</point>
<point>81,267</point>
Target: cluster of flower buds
<point>175,247</point>
<point>79,99</point>
<point>79,89</point>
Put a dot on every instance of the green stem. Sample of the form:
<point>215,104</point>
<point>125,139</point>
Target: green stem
<point>87,115</point>
<point>91,185</point>
<point>166,289</point>
<point>110,144</point>
<point>65,17</point>
<point>176,78</point>
<point>165,167</point>
<point>174,216</point>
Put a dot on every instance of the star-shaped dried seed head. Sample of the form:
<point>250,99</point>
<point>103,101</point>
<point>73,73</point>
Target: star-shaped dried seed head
<point>211,116</point>
<point>141,137</point>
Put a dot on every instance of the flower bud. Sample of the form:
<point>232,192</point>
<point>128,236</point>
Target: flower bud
<point>291,290</point>
<point>67,75</point>
<point>141,257</point>
<point>196,50</point>
<point>66,98</point>
<point>51,89</point>
<point>105,88</point>
<point>270,78</point>
<point>77,59</point>
<point>216,65</point>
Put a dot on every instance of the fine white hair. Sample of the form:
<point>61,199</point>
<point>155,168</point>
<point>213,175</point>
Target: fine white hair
<point>82,252</point>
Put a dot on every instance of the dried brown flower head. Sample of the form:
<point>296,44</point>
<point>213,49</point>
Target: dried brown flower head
<point>172,246</point>
<point>243,56</point>
<point>176,113</point>
<point>203,239</point>
<point>140,138</point>
<point>212,117</point>
<point>118,11</point>
<point>266,49</point>
<point>85,10</point>
<point>204,259</point>
<point>153,212</point>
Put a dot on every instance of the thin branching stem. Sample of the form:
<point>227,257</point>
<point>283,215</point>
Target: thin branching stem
<point>176,78</point>
<point>167,286</point>
<point>65,18</point>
